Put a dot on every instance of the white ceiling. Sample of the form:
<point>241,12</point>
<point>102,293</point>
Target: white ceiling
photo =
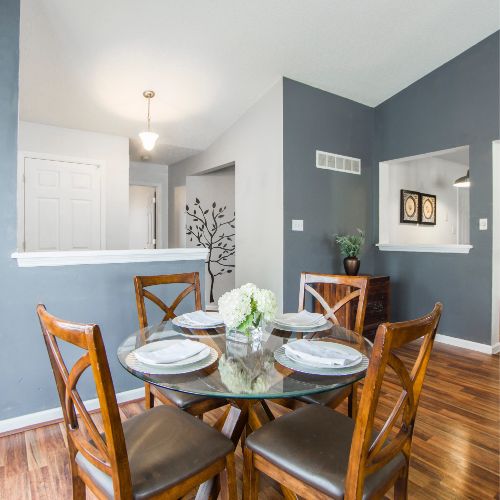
<point>85,64</point>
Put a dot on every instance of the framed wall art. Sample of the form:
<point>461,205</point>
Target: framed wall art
<point>427,209</point>
<point>409,207</point>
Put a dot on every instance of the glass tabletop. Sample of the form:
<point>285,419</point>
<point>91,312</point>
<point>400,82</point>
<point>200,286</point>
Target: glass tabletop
<point>243,371</point>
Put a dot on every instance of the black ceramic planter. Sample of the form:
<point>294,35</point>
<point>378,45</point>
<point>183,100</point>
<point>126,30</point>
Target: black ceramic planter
<point>351,265</point>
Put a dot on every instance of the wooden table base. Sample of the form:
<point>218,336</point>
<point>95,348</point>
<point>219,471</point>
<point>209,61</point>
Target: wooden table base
<point>240,417</point>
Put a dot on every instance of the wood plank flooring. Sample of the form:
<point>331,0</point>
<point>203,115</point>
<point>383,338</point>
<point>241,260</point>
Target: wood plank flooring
<point>455,447</point>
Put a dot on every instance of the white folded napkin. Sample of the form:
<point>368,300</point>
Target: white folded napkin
<point>321,353</point>
<point>177,350</point>
<point>303,318</point>
<point>201,318</point>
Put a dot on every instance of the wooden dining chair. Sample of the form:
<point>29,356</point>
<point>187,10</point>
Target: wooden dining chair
<point>318,453</point>
<point>161,453</point>
<point>345,307</point>
<point>195,405</point>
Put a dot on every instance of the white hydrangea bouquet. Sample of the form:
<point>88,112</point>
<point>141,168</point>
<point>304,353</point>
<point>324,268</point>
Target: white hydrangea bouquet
<point>243,309</point>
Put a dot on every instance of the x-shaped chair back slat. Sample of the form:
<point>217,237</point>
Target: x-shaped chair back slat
<point>143,282</point>
<point>108,454</point>
<point>369,454</point>
<point>332,311</point>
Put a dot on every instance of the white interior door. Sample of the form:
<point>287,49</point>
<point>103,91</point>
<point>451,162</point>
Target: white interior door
<point>62,205</point>
<point>142,217</point>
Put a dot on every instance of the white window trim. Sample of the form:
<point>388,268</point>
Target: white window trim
<point>402,247</point>
<point>76,258</point>
<point>21,156</point>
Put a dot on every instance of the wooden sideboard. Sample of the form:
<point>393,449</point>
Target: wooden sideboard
<point>377,307</point>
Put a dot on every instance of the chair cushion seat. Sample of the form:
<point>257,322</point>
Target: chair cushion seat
<point>181,399</point>
<point>328,397</point>
<point>164,447</point>
<point>313,445</point>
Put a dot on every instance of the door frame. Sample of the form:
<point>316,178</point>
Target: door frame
<point>495,225</point>
<point>158,209</point>
<point>21,191</point>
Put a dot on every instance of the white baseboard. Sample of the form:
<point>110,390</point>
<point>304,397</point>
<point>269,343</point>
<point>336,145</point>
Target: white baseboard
<point>468,344</point>
<point>42,417</point>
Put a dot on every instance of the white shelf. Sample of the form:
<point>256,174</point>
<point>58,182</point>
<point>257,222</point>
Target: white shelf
<point>401,247</point>
<point>72,258</point>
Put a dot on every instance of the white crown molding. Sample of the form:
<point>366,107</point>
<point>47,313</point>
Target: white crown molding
<point>75,258</point>
<point>10,425</point>
<point>394,247</point>
<point>468,344</point>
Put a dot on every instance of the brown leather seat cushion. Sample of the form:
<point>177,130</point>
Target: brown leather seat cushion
<point>164,446</point>
<point>313,444</point>
<point>325,398</point>
<point>181,399</point>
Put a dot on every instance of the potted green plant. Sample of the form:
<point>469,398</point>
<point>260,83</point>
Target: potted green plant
<point>350,246</point>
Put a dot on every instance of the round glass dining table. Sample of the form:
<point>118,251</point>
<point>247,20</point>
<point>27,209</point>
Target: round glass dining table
<point>246,375</point>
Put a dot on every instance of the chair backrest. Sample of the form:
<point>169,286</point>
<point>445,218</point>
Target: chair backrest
<point>368,454</point>
<point>142,282</point>
<point>339,312</point>
<point>109,454</point>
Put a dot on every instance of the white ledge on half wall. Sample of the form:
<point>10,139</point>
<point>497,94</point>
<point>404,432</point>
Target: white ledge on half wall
<point>402,247</point>
<point>76,258</point>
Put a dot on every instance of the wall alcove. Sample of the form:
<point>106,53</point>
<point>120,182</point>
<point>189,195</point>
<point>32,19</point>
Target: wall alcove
<point>431,180</point>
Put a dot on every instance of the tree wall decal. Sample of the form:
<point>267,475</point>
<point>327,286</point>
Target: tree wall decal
<point>211,230</point>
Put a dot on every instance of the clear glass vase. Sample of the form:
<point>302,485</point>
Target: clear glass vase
<point>252,335</point>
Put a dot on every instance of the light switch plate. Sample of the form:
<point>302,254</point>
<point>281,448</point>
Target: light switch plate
<point>483,224</point>
<point>297,225</point>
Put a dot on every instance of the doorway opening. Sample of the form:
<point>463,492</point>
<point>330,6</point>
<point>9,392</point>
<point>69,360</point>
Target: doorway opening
<point>143,227</point>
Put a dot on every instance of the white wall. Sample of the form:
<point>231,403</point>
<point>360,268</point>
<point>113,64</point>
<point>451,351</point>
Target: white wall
<point>112,150</point>
<point>147,174</point>
<point>426,175</point>
<point>255,145</point>
<point>215,187</point>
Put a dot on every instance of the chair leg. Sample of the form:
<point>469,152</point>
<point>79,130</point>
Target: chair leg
<point>149,399</point>
<point>401,485</point>
<point>228,480</point>
<point>250,476</point>
<point>352,402</point>
<point>78,488</point>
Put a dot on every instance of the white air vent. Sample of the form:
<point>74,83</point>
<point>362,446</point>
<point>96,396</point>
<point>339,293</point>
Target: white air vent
<point>330,161</point>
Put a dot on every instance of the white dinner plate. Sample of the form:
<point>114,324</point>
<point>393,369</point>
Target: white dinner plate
<point>292,324</point>
<point>182,323</point>
<point>340,348</point>
<point>162,344</point>
<point>281,357</point>
<point>136,365</point>
<point>287,328</point>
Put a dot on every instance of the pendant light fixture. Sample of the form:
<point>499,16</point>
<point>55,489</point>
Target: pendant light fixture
<point>462,182</point>
<point>148,138</point>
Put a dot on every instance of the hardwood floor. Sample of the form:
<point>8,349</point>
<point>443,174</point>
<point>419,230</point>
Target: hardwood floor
<point>455,447</point>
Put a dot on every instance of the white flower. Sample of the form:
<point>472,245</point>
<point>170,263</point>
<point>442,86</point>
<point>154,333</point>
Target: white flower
<point>234,307</point>
<point>266,304</point>
<point>247,304</point>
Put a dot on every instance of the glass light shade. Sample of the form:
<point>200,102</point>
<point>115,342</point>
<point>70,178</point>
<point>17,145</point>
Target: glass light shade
<point>462,182</point>
<point>148,140</point>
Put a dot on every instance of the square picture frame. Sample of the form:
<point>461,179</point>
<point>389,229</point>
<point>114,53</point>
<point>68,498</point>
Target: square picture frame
<point>409,207</point>
<point>428,209</point>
